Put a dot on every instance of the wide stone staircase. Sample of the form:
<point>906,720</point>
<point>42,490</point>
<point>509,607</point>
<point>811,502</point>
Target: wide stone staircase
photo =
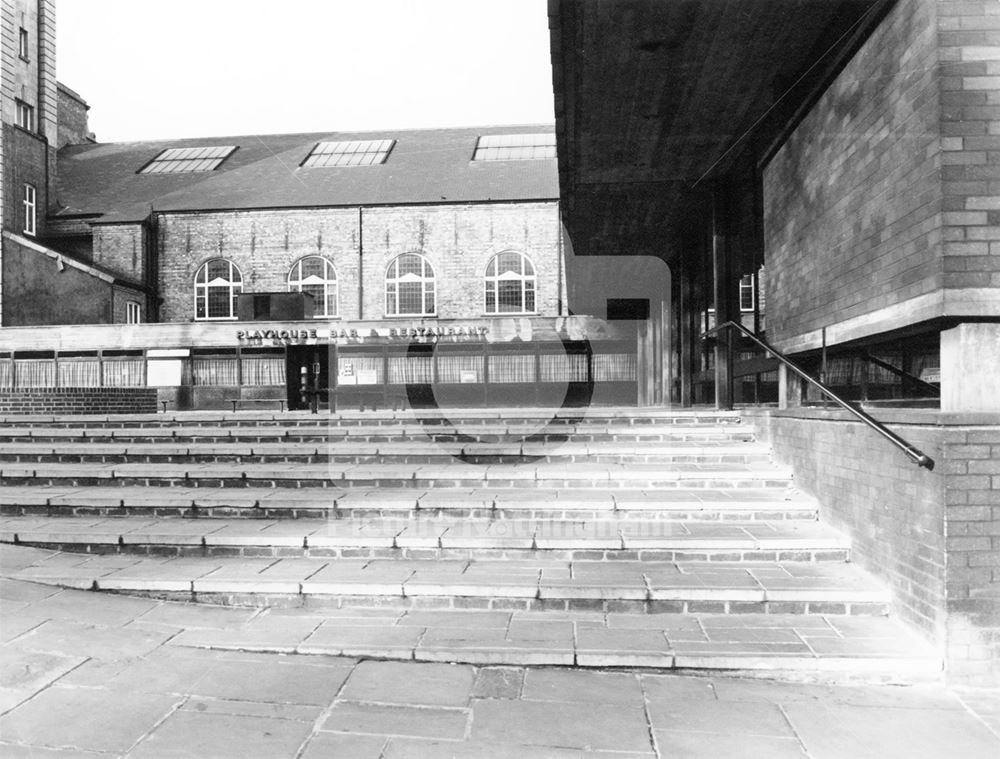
<point>608,537</point>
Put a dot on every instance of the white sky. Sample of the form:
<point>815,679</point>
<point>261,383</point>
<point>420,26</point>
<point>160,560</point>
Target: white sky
<point>194,68</point>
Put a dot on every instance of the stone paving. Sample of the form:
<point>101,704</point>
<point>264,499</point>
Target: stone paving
<point>94,675</point>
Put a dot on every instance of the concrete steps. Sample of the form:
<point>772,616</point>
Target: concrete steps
<point>436,537</point>
<point>649,516</point>
<point>681,504</point>
<point>351,452</point>
<point>543,584</point>
<point>813,646</point>
<point>396,476</point>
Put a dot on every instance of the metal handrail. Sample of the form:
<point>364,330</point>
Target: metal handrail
<point>900,372</point>
<point>915,454</point>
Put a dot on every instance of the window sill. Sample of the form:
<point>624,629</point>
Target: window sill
<point>410,316</point>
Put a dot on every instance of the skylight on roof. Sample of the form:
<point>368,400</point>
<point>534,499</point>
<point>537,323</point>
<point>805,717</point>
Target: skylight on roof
<point>180,160</point>
<point>514,147</point>
<point>349,153</point>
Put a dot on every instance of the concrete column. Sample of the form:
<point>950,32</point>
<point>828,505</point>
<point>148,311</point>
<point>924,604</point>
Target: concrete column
<point>970,367</point>
<point>789,388</point>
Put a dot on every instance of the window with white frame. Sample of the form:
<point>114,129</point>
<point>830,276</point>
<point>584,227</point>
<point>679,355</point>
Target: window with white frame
<point>349,153</point>
<point>30,213</point>
<point>22,44</point>
<point>318,277</point>
<point>514,147</point>
<point>24,115</point>
<point>216,286</point>
<point>510,284</point>
<point>747,292</point>
<point>410,286</point>
<point>133,312</point>
<point>188,160</point>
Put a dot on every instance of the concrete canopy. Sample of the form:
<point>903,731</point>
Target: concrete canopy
<point>655,99</point>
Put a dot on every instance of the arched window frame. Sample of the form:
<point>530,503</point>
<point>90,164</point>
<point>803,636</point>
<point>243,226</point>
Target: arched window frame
<point>426,280</point>
<point>227,287</point>
<point>522,282</point>
<point>327,304</point>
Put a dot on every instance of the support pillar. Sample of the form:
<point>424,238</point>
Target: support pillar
<point>970,367</point>
<point>789,388</point>
<point>722,291</point>
<point>686,333</point>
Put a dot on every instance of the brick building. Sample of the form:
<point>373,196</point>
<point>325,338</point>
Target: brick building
<point>416,259</point>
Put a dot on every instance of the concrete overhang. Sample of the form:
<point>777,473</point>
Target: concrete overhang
<point>656,99</point>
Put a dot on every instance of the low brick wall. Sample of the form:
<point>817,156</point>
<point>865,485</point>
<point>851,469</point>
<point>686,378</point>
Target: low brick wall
<point>79,400</point>
<point>932,536</point>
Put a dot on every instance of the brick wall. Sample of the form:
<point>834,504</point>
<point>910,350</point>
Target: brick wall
<point>458,240</point>
<point>969,38</point>
<point>932,536</point>
<point>972,510</point>
<point>121,296</point>
<point>65,400</point>
<point>37,292</point>
<point>263,244</point>
<point>73,122</point>
<point>853,199</point>
<point>24,163</point>
<point>119,248</point>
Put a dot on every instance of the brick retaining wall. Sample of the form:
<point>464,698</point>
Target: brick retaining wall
<point>932,536</point>
<point>84,400</point>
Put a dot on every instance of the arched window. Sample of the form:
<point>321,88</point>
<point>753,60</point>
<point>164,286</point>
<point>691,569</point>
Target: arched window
<point>216,286</point>
<point>409,286</point>
<point>316,276</point>
<point>510,284</point>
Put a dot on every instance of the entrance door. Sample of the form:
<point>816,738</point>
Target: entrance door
<point>307,367</point>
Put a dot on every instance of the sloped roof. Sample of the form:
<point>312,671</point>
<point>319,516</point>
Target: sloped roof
<point>425,166</point>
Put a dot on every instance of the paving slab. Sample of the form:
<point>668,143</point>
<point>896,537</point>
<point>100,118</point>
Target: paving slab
<point>576,686</point>
<point>888,733</point>
<point>329,745</point>
<point>222,736</point>
<point>421,722</point>
<point>33,670</point>
<point>498,682</point>
<point>411,748</point>
<point>410,683</point>
<point>94,641</point>
<point>94,720</point>
<point>709,715</point>
<point>690,744</point>
<point>608,727</point>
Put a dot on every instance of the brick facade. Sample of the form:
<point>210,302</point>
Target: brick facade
<point>458,240</point>
<point>969,39</point>
<point>852,211</point>
<point>933,536</point>
<point>68,400</point>
<point>972,511</point>
<point>73,122</point>
<point>120,248</point>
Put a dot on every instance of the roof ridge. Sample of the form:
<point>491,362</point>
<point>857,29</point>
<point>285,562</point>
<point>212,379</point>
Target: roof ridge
<point>386,131</point>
